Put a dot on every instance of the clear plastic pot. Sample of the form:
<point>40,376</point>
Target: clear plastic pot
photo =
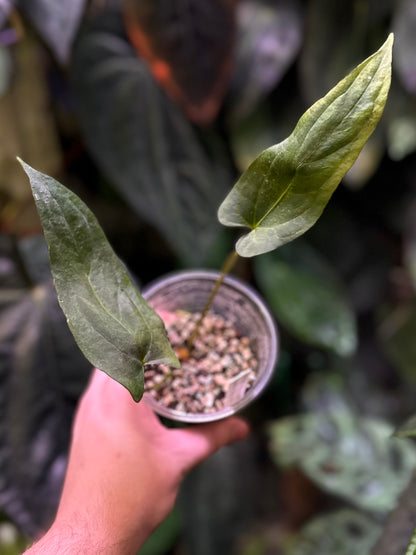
<point>235,301</point>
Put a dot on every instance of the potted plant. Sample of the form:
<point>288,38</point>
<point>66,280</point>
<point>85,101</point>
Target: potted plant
<point>278,198</point>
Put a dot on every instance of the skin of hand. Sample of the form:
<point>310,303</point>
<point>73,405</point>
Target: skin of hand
<point>124,472</point>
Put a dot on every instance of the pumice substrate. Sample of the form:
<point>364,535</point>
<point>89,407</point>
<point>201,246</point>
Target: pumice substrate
<point>219,354</point>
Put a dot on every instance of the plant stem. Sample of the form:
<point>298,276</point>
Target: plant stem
<point>226,268</point>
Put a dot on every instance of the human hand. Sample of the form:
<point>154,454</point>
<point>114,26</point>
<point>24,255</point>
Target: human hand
<point>124,471</point>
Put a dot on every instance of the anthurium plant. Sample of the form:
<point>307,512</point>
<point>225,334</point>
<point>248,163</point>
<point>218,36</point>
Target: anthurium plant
<point>278,198</point>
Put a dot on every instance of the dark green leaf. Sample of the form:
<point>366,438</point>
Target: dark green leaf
<point>57,22</point>
<point>113,325</point>
<point>307,298</point>
<point>345,532</point>
<point>350,456</point>
<point>171,175</point>
<point>284,191</point>
<point>164,537</point>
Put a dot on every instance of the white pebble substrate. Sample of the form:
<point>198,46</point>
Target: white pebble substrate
<point>219,354</point>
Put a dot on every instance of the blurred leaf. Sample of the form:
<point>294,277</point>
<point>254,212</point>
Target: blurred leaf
<point>57,22</point>
<point>5,10</point>
<point>27,126</point>
<point>6,69</point>
<point>218,499</point>
<point>402,136</point>
<point>345,532</point>
<point>334,37</point>
<point>326,391</point>
<point>113,325</point>
<point>409,241</point>
<point>284,191</point>
<point>188,45</point>
<point>367,162</point>
<point>307,298</point>
<point>42,374</point>
<point>404,28</point>
<point>261,128</point>
<point>397,332</point>
<point>411,548</point>
<point>408,428</point>
<point>11,274</point>
<point>164,537</point>
<point>11,541</point>
<point>347,455</point>
<point>269,38</point>
<point>143,143</point>
<point>337,36</point>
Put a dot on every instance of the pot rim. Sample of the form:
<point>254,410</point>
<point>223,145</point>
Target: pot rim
<point>260,384</point>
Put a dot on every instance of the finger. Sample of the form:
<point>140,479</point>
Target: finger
<point>200,441</point>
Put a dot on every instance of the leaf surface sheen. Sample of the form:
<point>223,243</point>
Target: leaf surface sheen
<point>113,325</point>
<point>286,188</point>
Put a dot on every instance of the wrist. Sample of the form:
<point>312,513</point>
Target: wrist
<point>83,538</point>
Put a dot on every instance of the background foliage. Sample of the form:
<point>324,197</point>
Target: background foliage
<point>152,141</point>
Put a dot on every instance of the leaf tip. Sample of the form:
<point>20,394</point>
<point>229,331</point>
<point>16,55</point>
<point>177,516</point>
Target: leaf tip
<point>28,169</point>
<point>388,44</point>
<point>21,162</point>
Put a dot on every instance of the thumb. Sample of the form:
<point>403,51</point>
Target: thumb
<point>200,441</point>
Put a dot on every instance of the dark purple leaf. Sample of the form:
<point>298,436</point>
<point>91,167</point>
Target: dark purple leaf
<point>42,374</point>
<point>188,46</point>
<point>171,175</point>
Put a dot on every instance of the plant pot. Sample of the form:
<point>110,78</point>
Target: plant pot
<point>237,303</point>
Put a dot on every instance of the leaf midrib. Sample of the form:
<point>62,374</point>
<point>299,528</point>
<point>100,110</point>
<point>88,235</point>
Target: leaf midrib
<point>301,162</point>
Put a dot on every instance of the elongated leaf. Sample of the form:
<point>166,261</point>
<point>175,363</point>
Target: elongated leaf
<point>113,325</point>
<point>171,175</point>
<point>307,298</point>
<point>284,191</point>
<point>188,45</point>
